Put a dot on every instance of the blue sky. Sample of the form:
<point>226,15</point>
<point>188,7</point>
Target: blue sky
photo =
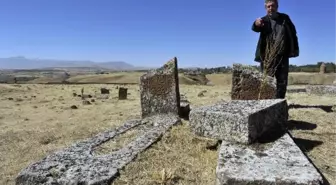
<point>149,32</point>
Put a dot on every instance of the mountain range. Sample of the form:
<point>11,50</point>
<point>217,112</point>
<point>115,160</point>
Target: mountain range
<point>21,62</point>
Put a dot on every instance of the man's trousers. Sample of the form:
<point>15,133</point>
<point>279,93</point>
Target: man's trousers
<point>280,72</point>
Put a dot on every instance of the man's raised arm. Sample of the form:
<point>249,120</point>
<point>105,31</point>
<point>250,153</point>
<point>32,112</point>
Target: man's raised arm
<point>257,25</point>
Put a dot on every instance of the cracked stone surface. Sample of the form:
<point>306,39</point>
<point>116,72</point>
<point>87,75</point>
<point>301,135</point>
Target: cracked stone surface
<point>321,89</point>
<point>79,165</point>
<point>277,163</point>
<point>159,90</point>
<point>242,121</point>
<point>248,82</point>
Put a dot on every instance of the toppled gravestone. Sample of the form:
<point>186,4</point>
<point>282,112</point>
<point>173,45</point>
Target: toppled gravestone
<point>250,84</point>
<point>321,89</point>
<point>239,121</point>
<point>159,90</point>
<point>280,162</point>
<point>78,163</point>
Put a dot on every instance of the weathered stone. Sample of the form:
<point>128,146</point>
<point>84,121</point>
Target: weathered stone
<point>78,164</point>
<point>276,163</point>
<point>322,68</point>
<point>86,102</point>
<point>321,89</point>
<point>159,90</point>
<point>242,121</point>
<point>122,93</point>
<point>102,96</point>
<point>296,90</point>
<point>250,84</point>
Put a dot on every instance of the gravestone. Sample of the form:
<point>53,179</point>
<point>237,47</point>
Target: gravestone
<point>250,84</point>
<point>239,121</point>
<point>279,162</point>
<point>322,68</point>
<point>122,93</point>
<point>104,91</point>
<point>159,90</point>
<point>255,148</point>
<point>81,164</point>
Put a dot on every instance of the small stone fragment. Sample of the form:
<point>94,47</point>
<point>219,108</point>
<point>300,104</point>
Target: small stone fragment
<point>74,107</point>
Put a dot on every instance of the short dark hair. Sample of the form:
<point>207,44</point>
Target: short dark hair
<point>275,1</point>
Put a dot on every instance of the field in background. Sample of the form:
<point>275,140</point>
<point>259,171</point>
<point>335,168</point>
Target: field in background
<point>216,79</point>
<point>37,119</point>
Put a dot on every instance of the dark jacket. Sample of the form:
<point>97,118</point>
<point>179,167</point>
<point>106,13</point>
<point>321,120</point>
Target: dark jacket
<point>292,45</point>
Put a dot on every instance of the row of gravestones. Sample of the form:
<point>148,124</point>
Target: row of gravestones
<point>237,123</point>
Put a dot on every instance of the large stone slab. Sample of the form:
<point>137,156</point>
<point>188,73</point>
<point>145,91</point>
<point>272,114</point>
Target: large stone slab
<point>79,164</point>
<point>242,121</point>
<point>250,84</point>
<point>159,90</point>
<point>277,163</point>
<point>321,89</point>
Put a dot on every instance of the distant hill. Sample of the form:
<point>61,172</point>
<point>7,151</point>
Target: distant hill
<point>26,63</point>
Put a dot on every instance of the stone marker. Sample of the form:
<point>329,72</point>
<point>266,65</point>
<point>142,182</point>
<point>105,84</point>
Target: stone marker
<point>159,90</point>
<point>122,93</point>
<point>248,83</point>
<point>242,121</point>
<point>277,163</point>
<point>322,68</point>
<point>321,89</point>
<point>78,164</point>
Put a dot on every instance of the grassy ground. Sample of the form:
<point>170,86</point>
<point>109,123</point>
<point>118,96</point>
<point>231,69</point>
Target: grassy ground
<point>217,79</point>
<point>36,120</point>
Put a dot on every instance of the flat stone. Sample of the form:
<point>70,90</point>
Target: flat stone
<point>159,90</point>
<point>277,163</point>
<point>321,89</point>
<point>296,90</point>
<point>242,121</point>
<point>78,164</point>
<point>250,84</point>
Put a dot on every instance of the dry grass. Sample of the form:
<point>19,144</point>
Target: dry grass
<point>31,128</point>
<point>217,79</point>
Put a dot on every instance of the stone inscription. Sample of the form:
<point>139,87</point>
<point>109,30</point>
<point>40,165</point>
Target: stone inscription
<point>159,85</point>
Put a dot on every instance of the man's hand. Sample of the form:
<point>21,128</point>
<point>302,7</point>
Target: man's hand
<point>259,22</point>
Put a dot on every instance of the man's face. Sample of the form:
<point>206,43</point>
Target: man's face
<point>271,7</point>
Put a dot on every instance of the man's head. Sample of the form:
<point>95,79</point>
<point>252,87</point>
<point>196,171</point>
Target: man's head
<point>271,6</point>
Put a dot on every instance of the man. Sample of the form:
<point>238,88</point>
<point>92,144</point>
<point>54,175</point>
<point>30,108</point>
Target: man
<point>277,43</point>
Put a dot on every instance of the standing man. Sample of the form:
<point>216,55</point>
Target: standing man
<point>277,43</point>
